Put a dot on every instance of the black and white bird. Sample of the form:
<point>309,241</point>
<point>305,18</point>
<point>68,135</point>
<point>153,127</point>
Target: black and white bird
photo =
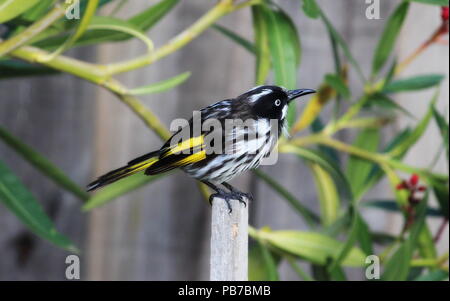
<point>224,140</point>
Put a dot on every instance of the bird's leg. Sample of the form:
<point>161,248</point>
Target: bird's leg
<point>238,194</point>
<point>220,193</point>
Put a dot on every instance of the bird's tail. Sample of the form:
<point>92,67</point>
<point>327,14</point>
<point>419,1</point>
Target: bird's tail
<point>132,167</point>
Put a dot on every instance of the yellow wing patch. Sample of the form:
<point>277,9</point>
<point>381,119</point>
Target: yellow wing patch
<point>185,145</point>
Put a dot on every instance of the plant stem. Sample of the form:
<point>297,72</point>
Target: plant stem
<point>440,230</point>
<point>32,31</point>
<point>222,8</point>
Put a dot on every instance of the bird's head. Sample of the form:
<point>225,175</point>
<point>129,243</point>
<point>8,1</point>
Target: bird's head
<point>272,101</point>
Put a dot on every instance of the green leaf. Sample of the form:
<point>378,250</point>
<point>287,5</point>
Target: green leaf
<point>398,265</point>
<point>441,191</point>
<point>325,162</point>
<point>82,27</point>
<point>262,264</point>
<point>38,11</point>
<point>119,188</point>
<point>338,84</point>
<point>311,9</point>
<point>246,44</point>
<point>314,247</point>
<point>389,36</point>
<point>341,42</point>
<point>119,25</point>
<point>161,86</point>
<point>443,127</point>
<point>392,206</point>
<point>42,164</point>
<point>347,246</point>
<point>261,38</point>
<point>9,9</point>
<point>12,69</point>
<point>437,275</point>
<point>364,236</point>
<point>386,103</point>
<point>142,21</point>
<point>413,83</point>
<point>284,45</point>
<point>310,217</point>
<point>432,2</point>
<point>401,149</point>
<point>358,169</point>
<point>327,193</point>
<point>426,245</point>
<point>22,203</point>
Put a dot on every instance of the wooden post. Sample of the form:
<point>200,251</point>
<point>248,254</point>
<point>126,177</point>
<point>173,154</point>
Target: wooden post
<point>229,241</point>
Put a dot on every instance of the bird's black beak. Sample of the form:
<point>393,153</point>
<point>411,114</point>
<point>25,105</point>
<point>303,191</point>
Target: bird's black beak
<point>293,94</point>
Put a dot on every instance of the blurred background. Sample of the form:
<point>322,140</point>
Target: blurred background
<point>161,231</point>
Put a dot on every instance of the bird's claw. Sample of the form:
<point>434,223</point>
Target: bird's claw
<point>227,197</point>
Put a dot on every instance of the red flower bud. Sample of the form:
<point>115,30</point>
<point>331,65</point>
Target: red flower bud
<point>414,179</point>
<point>444,13</point>
<point>401,186</point>
<point>421,188</point>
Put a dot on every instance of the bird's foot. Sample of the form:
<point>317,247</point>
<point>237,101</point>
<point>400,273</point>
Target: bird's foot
<point>241,196</point>
<point>228,196</point>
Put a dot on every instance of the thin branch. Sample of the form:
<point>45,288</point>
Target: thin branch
<point>32,31</point>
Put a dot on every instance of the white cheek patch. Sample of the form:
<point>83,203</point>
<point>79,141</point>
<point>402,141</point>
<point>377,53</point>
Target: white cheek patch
<point>284,111</point>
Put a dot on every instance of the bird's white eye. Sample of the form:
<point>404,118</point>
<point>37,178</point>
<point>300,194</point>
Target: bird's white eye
<point>277,102</point>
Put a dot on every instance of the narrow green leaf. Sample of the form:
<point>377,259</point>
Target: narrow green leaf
<point>401,149</point>
<point>314,247</point>
<point>262,264</point>
<point>118,189</point>
<point>341,42</point>
<point>432,2</point>
<point>398,265</point>
<point>426,245</point>
<point>443,127</point>
<point>325,162</point>
<point>162,85</point>
<point>327,193</point>
<point>392,206</point>
<point>310,217</point>
<point>38,11</point>
<point>311,9</point>
<point>386,103</point>
<point>413,83</point>
<point>118,25</point>
<point>21,202</point>
<point>142,21</point>
<point>9,9</point>
<point>284,45</point>
<point>42,164</point>
<point>12,69</point>
<point>358,169</point>
<point>261,38</point>
<point>441,191</point>
<point>338,84</point>
<point>389,36</point>
<point>246,44</point>
<point>364,236</point>
<point>82,27</point>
